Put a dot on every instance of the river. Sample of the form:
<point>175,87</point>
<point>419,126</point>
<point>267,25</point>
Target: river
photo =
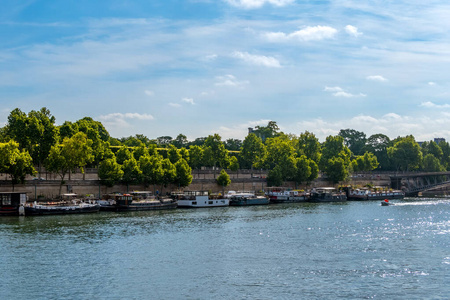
<point>354,250</point>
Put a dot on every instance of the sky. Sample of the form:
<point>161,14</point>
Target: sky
<point>199,67</point>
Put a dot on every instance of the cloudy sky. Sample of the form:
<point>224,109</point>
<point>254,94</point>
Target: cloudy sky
<point>199,67</point>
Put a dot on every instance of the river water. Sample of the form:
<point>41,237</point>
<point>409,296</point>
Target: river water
<point>355,250</point>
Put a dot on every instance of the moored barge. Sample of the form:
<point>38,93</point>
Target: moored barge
<point>327,194</point>
<point>11,203</point>
<point>199,199</point>
<point>245,199</point>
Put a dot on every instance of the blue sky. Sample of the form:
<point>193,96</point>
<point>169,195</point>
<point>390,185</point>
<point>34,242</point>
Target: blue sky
<point>199,67</point>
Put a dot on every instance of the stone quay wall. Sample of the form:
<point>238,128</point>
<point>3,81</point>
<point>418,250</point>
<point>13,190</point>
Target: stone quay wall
<point>47,185</point>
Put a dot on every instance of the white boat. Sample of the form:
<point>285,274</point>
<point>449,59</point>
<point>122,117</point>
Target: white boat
<point>197,199</point>
<point>68,204</point>
<point>368,194</point>
<point>135,201</point>
<point>283,195</point>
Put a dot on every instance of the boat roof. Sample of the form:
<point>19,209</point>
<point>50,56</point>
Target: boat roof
<point>326,188</point>
<point>8,193</point>
<point>141,192</point>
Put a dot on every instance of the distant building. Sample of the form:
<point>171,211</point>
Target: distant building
<point>257,133</point>
<point>436,140</point>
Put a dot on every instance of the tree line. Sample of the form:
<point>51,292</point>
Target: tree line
<point>30,141</point>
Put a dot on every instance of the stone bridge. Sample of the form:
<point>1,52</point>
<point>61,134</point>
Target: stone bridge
<point>413,183</point>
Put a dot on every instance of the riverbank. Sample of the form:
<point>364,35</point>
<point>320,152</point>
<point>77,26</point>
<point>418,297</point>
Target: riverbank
<point>48,185</point>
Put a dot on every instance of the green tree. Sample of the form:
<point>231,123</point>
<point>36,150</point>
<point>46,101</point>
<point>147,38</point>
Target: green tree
<point>309,146</point>
<point>275,177</point>
<point>173,154</point>
<point>67,129</point>
<point>198,142</point>
<point>79,151</point>
<point>140,150</point>
<point>99,136</point>
<point>335,155</point>
<point>354,140</point>
<point>314,170</point>
<point>14,162</point>
<point>123,154</point>
<point>253,151</point>
<point>195,156</point>
<point>406,154</point>
<point>217,154</point>
<point>366,162</point>
<point>3,135</point>
<point>35,132</point>
<point>17,128</point>
<point>303,169</point>
<point>44,133</point>
<point>281,152</point>
<point>337,170</point>
<point>151,167</point>
<point>234,163</point>
<point>169,172</point>
<point>163,141</point>
<point>109,172</point>
<point>223,180</point>
<point>378,144</point>
<point>233,144</point>
<point>89,126</point>
<point>445,161</point>
<point>432,164</point>
<point>73,153</point>
<point>184,154</point>
<point>183,173</point>
<point>180,141</point>
<point>266,132</point>
<point>131,171</point>
<point>432,148</point>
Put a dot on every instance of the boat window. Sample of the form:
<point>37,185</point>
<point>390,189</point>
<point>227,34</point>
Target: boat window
<point>5,199</point>
<point>210,202</point>
<point>194,203</point>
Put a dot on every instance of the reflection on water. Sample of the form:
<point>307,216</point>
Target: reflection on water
<point>350,250</point>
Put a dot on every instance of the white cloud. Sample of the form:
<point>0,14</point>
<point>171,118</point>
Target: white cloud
<point>207,93</point>
<point>176,105</point>
<point>376,78</point>
<point>352,30</point>
<point>432,83</point>
<point>392,116</point>
<point>333,89</point>
<point>238,130</point>
<point>119,120</point>
<point>430,104</point>
<point>229,80</point>
<point>309,33</point>
<point>248,4</point>
<point>122,116</point>
<point>391,124</point>
<point>348,95</point>
<point>259,60</point>
<point>210,57</point>
<point>339,92</point>
<point>188,100</point>
<point>149,93</point>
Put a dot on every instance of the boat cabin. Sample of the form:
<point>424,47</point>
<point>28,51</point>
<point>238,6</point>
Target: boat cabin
<point>142,195</point>
<point>10,202</point>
